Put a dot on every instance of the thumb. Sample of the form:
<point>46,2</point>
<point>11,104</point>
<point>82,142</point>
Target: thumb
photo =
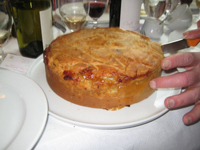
<point>192,34</point>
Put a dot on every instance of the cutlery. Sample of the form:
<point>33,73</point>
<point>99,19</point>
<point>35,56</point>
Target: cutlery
<point>57,22</point>
<point>174,46</point>
<point>59,26</point>
<point>168,17</point>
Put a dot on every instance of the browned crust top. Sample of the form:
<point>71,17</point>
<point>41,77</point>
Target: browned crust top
<point>103,52</point>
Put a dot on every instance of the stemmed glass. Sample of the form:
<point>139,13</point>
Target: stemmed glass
<point>96,9</point>
<point>5,26</point>
<point>73,13</point>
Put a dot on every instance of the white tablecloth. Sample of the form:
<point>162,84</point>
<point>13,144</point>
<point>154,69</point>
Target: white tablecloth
<point>165,133</point>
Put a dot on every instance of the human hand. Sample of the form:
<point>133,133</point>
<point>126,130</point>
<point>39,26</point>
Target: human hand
<point>190,79</point>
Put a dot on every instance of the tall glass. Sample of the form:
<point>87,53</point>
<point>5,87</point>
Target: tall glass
<point>155,8</point>
<point>5,26</point>
<point>171,5</point>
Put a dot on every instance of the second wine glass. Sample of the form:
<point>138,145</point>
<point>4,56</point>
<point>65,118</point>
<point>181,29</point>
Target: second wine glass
<point>96,9</point>
<point>73,13</point>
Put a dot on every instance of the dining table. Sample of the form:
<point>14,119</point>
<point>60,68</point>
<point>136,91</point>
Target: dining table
<point>164,132</point>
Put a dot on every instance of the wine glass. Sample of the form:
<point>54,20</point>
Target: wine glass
<point>96,9</point>
<point>155,8</point>
<point>5,26</point>
<point>73,13</point>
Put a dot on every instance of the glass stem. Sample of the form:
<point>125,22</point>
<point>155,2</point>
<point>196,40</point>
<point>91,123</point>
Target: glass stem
<point>95,23</point>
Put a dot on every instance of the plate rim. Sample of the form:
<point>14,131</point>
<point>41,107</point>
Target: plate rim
<point>33,136</point>
<point>110,126</point>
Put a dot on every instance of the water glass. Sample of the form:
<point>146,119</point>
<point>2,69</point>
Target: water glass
<point>155,8</point>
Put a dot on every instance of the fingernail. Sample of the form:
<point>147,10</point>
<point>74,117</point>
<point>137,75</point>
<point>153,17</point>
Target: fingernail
<point>153,84</point>
<point>185,35</point>
<point>170,103</point>
<point>189,120</point>
<point>166,64</point>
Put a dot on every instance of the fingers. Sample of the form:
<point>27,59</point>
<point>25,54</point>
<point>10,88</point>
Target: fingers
<point>190,78</point>
<point>180,60</point>
<point>184,79</point>
<point>192,34</point>
<point>177,80</point>
<point>192,116</point>
<point>189,97</point>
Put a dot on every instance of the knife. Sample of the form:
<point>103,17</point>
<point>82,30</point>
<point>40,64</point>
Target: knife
<point>57,22</point>
<point>174,46</point>
<point>59,26</point>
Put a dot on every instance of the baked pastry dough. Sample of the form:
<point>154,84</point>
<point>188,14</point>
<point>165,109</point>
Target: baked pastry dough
<point>102,68</point>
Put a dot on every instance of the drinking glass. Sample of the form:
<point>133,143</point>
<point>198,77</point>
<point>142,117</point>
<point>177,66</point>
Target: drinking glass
<point>171,5</point>
<point>198,5</point>
<point>155,8</point>
<point>73,13</point>
<point>96,9</point>
<point>5,26</point>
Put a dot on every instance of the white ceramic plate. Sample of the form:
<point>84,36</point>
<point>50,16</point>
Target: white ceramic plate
<point>23,111</point>
<point>137,114</point>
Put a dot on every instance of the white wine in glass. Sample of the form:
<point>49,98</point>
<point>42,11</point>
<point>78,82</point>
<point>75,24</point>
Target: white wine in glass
<point>73,14</point>
<point>5,26</point>
<point>4,35</point>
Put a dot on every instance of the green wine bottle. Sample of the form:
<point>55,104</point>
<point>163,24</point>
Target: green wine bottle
<point>33,25</point>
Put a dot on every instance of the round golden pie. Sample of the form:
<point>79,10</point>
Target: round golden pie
<point>105,68</point>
